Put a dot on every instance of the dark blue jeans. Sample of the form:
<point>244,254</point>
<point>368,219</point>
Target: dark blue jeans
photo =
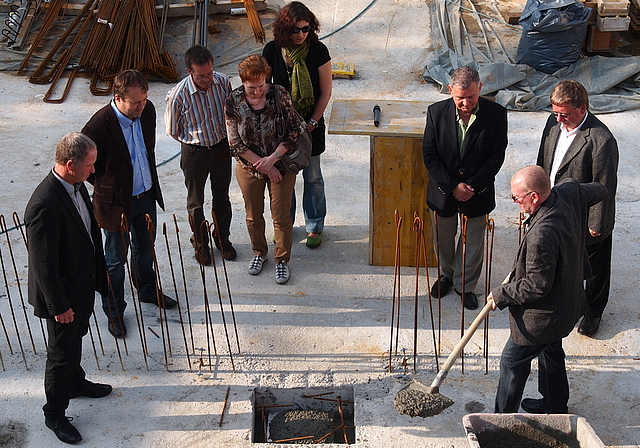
<point>115,252</point>
<point>515,366</point>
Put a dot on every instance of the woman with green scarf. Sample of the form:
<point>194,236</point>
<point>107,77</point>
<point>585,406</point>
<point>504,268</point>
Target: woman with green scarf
<point>301,64</point>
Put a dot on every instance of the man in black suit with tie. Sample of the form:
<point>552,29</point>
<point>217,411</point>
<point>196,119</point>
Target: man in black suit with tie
<point>464,146</point>
<point>66,268</point>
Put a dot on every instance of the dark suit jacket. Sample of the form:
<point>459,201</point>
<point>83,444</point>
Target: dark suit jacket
<point>113,179</point>
<point>592,157</point>
<point>545,294</point>
<point>484,155</point>
<point>66,265</point>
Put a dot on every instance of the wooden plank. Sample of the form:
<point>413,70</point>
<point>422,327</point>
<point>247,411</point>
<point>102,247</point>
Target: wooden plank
<point>398,181</point>
<point>397,118</point>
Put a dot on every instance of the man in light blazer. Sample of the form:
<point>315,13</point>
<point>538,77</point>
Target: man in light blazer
<point>575,144</point>
<point>544,294</point>
<point>126,182</point>
<point>463,147</point>
<point>66,268</point>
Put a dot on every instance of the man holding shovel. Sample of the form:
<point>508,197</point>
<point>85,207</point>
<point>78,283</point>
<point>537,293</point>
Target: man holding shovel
<point>545,292</point>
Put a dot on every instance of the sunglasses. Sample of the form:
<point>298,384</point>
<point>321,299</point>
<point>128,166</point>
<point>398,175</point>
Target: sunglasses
<point>564,116</point>
<point>304,29</point>
<point>518,200</point>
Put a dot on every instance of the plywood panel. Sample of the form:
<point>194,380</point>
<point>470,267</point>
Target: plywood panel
<point>398,182</point>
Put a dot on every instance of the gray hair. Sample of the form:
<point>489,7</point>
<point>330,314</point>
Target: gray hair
<point>464,76</point>
<point>74,146</point>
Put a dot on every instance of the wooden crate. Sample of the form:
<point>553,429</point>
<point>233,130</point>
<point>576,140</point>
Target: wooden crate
<point>612,9</point>
<point>598,41</point>
<point>612,23</point>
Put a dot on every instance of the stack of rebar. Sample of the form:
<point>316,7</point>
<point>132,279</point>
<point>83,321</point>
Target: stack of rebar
<point>125,36</point>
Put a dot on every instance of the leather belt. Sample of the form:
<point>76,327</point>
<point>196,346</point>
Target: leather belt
<point>139,196</point>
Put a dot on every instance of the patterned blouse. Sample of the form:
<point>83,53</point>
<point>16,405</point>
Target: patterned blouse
<point>256,130</point>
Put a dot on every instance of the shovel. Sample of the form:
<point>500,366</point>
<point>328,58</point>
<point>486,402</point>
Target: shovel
<point>416,399</point>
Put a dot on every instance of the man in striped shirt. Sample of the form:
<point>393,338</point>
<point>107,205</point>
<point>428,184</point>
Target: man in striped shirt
<point>195,117</point>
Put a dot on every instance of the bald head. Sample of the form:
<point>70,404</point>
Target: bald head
<point>530,187</point>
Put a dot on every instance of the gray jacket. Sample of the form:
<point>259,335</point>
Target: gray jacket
<point>545,294</point>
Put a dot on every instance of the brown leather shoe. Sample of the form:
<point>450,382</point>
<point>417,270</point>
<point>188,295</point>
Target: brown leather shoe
<point>203,255</point>
<point>228,252</point>
<point>589,325</point>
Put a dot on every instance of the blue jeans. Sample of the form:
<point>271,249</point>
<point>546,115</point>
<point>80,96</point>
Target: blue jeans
<point>515,367</point>
<point>115,253</point>
<point>314,202</point>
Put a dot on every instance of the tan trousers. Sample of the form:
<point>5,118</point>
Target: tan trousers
<point>280,202</point>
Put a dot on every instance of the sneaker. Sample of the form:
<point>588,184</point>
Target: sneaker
<point>256,264</point>
<point>314,241</point>
<point>282,273</point>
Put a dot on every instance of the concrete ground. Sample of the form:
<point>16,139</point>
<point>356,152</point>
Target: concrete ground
<point>330,325</point>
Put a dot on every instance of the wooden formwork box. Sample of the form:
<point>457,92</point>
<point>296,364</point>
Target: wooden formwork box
<point>398,177</point>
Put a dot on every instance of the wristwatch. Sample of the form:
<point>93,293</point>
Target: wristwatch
<point>313,123</point>
<point>278,155</point>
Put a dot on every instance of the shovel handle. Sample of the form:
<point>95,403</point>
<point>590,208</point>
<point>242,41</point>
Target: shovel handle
<point>444,371</point>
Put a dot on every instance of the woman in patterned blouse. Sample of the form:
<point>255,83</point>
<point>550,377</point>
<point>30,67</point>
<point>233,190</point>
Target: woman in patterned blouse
<point>251,127</point>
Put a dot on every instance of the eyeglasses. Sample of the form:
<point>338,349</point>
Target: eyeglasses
<point>518,200</point>
<point>564,116</point>
<point>304,29</point>
<point>199,77</point>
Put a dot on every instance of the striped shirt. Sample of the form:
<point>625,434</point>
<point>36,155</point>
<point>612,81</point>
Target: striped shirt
<point>195,117</point>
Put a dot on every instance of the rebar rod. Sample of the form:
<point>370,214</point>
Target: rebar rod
<point>3,229</point>
<point>226,279</point>
<point>175,289</point>
<point>159,293</point>
<point>184,282</point>
<point>133,285</point>
<point>18,224</point>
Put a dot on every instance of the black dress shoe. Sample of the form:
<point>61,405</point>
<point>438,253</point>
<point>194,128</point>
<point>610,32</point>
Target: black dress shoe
<point>540,406</point>
<point>168,301</point>
<point>116,328</point>
<point>63,429</point>
<point>589,325</point>
<point>470,300</point>
<point>445,285</point>
<point>92,390</point>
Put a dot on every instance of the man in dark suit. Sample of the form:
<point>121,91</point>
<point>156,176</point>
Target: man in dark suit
<point>66,268</point>
<point>544,294</point>
<point>464,146</point>
<point>575,144</point>
<point>126,182</point>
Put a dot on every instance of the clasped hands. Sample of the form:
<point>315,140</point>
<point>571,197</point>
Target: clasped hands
<point>463,192</point>
<point>265,165</point>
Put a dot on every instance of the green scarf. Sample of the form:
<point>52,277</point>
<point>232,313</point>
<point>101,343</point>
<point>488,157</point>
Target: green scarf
<point>301,87</point>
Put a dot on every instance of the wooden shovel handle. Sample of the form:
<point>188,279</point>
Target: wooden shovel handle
<point>444,371</point>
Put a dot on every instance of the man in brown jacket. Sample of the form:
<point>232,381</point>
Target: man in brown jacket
<point>126,182</point>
